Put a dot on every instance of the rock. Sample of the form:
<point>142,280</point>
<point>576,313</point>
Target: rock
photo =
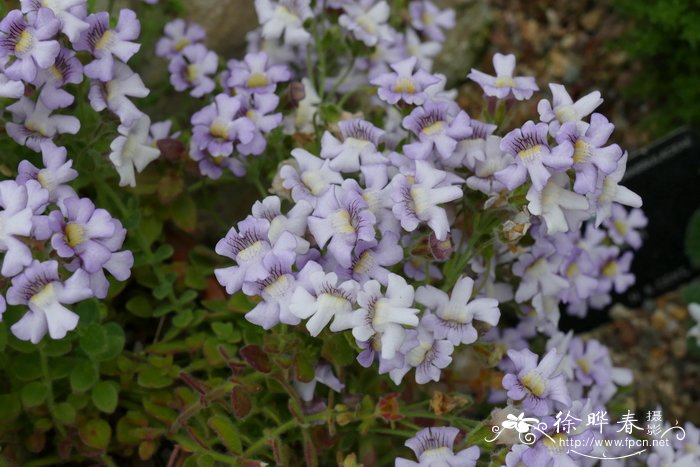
<point>226,22</point>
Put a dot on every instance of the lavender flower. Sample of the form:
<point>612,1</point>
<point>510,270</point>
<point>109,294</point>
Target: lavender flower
<point>624,226</point>
<point>430,124</point>
<point>66,69</point>
<point>131,150</point>
<point>366,20</point>
<point>217,126</point>
<point>611,192</point>
<point>494,161</point>
<point>615,270</point>
<point>430,20</point>
<point>9,88</point>
<point>192,69</point>
<point>32,45</point>
<point>528,145</point>
<point>254,74</point>
<point>538,273</point>
<point>452,318</point>
<point>358,148</point>
<point>293,223</point>
<point>323,373</point>
<point>417,198</point>
<point>258,110</point>
<point>326,299</point>
<point>590,157</point>
<point>15,221</point>
<point>247,246</point>
<point>434,447</point>
<point>33,124</point>
<point>105,43</point>
<point>78,230</point>
<point>563,109</point>
<point>341,218</point>
<point>370,259</point>
<point>70,13</point>
<point>310,179</point>
<point>114,94</point>
<point>284,18</point>
<point>554,201</point>
<point>178,34</point>
<point>424,352</point>
<point>504,84</point>
<point>56,172</point>
<point>537,385</point>
<point>404,83</point>
<point>41,289</point>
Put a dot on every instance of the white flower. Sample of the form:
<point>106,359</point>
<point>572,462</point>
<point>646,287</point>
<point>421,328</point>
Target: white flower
<point>366,20</point>
<point>285,17</point>
<point>554,201</point>
<point>563,109</point>
<point>131,150</point>
<point>611,192</point>
<point>385,314</point>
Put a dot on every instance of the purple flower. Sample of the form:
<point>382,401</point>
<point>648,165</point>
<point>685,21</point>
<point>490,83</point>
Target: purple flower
<point>366,20</point>
<point>561,209</point>
<point>192,69</point>
<point>131,151</point>
<point>275,286</point>
<point>452,317</point>
<point>247,246</point>
<point>370,259</point>
<point>424,352</point>
<point>434,447</point>
<point>9,88</point>
<point>614,270</point>
<point>324,299</point>
<point>417,198</point>
<point>15,221</point>
<point>494,160</point>
<point>254,74</point>
<point>220,124</point>
<point>358,148</point>
<point>311,177</point>
<point>258,109</point>
<point>41,289</point>
<point>341,218</point>
<point>66,69</point>
<point>405,83</point>
<point>504,84</point>
<point>563,109</point>
<point>114,94</point>
<point>284,18</point>
<point>33,45</point>
<point>590,157</point>
<point>323,373</point>
<point>56,173</point>
<point>473,148</point>
<point>537,271</point>
<point>105,43</point>
<point>78,228</point>
<point>178,35</point>
<point>430,123</point>
<point>430,20</point>
<point>624,226</point>
<point>530,149</point>
<point>33,124</point>
<point>294,222</point>
<point>591,362</point>
<point>537,385</point>
<point>213,166</point>
<point>70,13</point>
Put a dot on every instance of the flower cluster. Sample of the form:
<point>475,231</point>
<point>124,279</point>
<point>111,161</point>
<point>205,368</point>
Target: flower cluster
<point>57,246</point>
<point>36,61</point>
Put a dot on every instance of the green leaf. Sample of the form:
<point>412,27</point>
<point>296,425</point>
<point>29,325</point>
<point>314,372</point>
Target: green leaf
<point>330,113</point>
<point>227,433</point>
<point>83,376</point>
<point>65,413</point>
<point>34,394</point>
<point>182,319</point>
<point>26,367</point>
<point>153,378</point>
<point>163,252</point>
<point>115,342</point>
<point>96,433</point>
<point>184,213</point>
<point>140,306</point>
<point>94,340</point>
<point>89,312</point>
<point>58,348</point>
<point>10,407</point>
<point>105,396</point>
<point>223,331</point>
<point>3,336</point>
<point>149,229</point>
<point>61,367</point>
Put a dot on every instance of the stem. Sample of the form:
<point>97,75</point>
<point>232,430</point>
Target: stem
<point>260,443</point>
<point>49,386</point>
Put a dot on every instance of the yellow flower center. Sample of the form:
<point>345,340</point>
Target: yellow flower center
<point>505,82</point>
<point>421,199</point>
<point>105,40</point>
<point>341,222</point>
<point>405,86</point>
<point>584,364</point>
<point>25,42</point>
<point>251,252</point>
<point>367,24</point>
<point>621,227</point>
<point>610,269</point>
<point>581,152</point>
<point>572,271</point>
<point>530,153</point>
<point>278,287</point>
<point>181,44</point>
<point>44,296</point>
<point>257,80</point>
<point>219,129</point>
<point>434,128</point>
<point>75,234</point>
<point>192,73</point>
<point>534,383</point>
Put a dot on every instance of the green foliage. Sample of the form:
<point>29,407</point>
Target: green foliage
<point>665,40</point>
